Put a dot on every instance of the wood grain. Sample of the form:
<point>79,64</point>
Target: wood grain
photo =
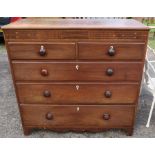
<point>62,93</point>
<point>99,51</point>
<point>31,50</point>
<point>75,35</point>
<point>86,116</point>
<point>66,71</point>
<point>50,59</point>
<point>55,23</point>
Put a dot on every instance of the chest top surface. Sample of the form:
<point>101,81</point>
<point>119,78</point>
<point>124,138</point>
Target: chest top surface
<point>53,23</point>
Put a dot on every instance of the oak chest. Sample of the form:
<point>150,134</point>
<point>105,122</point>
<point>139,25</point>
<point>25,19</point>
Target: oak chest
<point>76,75</point>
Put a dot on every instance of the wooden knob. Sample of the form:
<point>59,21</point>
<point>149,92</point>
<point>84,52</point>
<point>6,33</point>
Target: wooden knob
<point>111,51</point>
<point>47,93</point>
<point>108,94</point>
<point>49,116</point>
<point>42,51</point>
<point>44,72</point>
<point>109,72</point>
<point>106,116</point>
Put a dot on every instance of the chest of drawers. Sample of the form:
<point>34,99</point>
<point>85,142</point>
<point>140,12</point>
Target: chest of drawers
<point>76,75</point>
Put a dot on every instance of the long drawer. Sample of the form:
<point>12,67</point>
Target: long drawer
<point>77,93</point>
<point>77,116</point>
<point>111,51</point>
<point>44,50</point>
<point>80,71</point>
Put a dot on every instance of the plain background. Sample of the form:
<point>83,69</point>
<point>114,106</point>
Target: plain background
<point>78,8</point>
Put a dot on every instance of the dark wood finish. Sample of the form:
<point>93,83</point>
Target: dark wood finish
<point>46,93</point>
<point>76,75</point>
<point>78,116</point>
<point>49,116</point>
<point>68,94</point>
<point>108,93</point>
<point>42,51</point>
<point>88,71</point>
<point>43,72</point>
<point>111,51</point>
<point>27,131</point>
<point>109,71</point>
<point>48,51</point>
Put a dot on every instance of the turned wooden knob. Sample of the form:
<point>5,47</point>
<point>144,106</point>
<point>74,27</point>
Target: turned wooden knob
<point>106,116</point>
<point>111,51</point>
<point>49,116</point>
<point>42,51</point>
<point>109,72</point>
<point>47,93</point>
<point>44,72</point>
<point>107,94</point>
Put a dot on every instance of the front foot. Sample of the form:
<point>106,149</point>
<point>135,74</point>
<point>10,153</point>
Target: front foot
<point>129,131</point>
<point>27,131</point>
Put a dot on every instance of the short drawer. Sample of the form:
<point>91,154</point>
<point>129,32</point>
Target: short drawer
<point>111,51</point>
<point>77,116</point>
<point>56,71</point>
<point>77,93</point>
<point>42,50</point>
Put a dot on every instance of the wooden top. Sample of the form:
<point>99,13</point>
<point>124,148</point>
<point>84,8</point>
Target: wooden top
<point>54,23</point>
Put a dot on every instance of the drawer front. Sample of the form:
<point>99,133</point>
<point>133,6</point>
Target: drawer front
<point>42,50</point>
<point>77,93</point>
<point>107,51</point>
<point>77,71</point>
<point>77,116</point>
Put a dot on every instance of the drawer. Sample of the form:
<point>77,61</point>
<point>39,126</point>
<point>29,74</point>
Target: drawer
<point>77,93</point>
<point>42,50</point>
<point>65,71</point>
<point>111,51</point>
<point>77,116</point>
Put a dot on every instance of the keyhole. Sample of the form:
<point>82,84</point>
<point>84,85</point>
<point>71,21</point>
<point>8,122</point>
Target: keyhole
<point>77,67</point>
<point>77,109</point>
<point>77,87</point>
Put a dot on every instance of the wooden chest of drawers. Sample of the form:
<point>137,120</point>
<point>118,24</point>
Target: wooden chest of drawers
<point>76,75</point>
